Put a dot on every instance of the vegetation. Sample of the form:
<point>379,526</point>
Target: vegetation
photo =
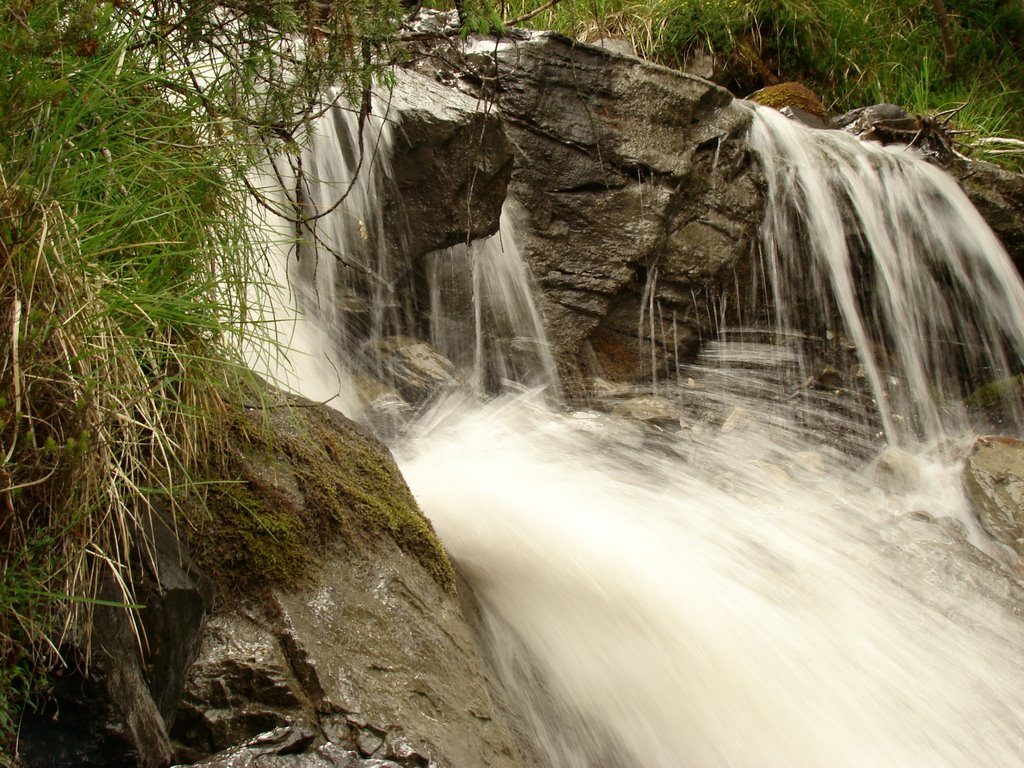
<point>126,130</point>
<point>851,53</point>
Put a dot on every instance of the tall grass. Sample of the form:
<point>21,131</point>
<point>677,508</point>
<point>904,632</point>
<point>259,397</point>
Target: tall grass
<point>126,131</point>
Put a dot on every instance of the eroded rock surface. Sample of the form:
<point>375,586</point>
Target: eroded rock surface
<point>994,480</point>
<point>635,194</point>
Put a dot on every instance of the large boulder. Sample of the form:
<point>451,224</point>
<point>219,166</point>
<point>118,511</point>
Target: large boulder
<point>635,195</point>
<point>338,614</point>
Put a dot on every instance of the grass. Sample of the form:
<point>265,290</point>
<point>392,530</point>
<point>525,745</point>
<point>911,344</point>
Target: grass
<point>126,131</point>
<point>851,53</point>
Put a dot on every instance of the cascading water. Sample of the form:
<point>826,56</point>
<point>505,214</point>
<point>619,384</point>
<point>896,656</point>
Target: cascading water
<point>750,593</point>
<point>884,249</point>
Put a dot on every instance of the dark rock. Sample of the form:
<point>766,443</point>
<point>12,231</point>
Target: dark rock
<point>861,121</point>
<point>114,709</point>
<point>634,188</point>
<point>452,162</point>
<point>993,478</point>
<point>998,194</point>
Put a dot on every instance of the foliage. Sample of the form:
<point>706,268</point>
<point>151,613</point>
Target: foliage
<point>851,53</point>
<point>126,130</point>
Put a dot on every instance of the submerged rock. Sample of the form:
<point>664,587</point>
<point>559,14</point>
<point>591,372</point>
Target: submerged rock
<point>415,368</point>
<point>993,478</point>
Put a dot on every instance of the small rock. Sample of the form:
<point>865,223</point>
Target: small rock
<point>650,409</point>
<point>993,478</point>
<point>737,417</point>
<point>897,471</point>
<point>811,462</point>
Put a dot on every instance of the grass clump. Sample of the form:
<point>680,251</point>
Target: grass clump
<point>126,132</point>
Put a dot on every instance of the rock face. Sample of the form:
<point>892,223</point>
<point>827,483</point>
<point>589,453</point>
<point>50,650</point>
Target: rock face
<point>993,477</point>
<point>998,194</point>
<point>452,162</point>
<point>636,195</point>
<point>366,649</point>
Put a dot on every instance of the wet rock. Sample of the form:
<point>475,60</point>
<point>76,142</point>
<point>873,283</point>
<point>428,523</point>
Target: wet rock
<point>238,688</point>
<point>369,650</point>
<point>896,471</point>
<point>415,369</point>
<point>809,462</point>
<point>865,122</point>
<point>119,712</point>
<point>649,409</point>
<point>452,162</point>
<point>993,477</point>
<point>737,417</point>
<point>630,180</point>
<point>998,194</point>
<point>286,747</point>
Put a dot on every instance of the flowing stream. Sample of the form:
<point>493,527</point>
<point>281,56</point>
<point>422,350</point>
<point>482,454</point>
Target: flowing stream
<point>749,589</point>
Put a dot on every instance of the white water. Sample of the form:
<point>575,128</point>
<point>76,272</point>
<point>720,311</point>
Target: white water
<point>724,608</point>
<point>746,592</point>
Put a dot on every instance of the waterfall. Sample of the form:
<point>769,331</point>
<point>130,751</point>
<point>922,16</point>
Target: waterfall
<point>759,589</point>
<point>341,296</point>
<point>884,250</point>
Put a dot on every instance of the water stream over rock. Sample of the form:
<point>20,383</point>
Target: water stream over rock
<point>773,568</point>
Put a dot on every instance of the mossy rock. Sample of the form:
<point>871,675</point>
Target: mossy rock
<point>297,477</point>
<point>791,94</point>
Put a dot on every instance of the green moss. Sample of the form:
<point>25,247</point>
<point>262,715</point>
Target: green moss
<point>249,538</point>
<point>354,477</point>
<point>999,398</point>
<point>300,478</point>
<point>791,95</point>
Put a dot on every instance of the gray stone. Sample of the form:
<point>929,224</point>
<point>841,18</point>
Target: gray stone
<point>415,369</point>
<point>452,162</point>
<point>993,478</point>
<point>630,179</point>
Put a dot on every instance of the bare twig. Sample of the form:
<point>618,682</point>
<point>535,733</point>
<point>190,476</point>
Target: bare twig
<point>535,12</point>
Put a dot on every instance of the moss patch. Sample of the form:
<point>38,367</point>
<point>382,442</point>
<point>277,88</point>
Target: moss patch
<point>998,400</point>
<point>300,477</point>
<point>791,95</point>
